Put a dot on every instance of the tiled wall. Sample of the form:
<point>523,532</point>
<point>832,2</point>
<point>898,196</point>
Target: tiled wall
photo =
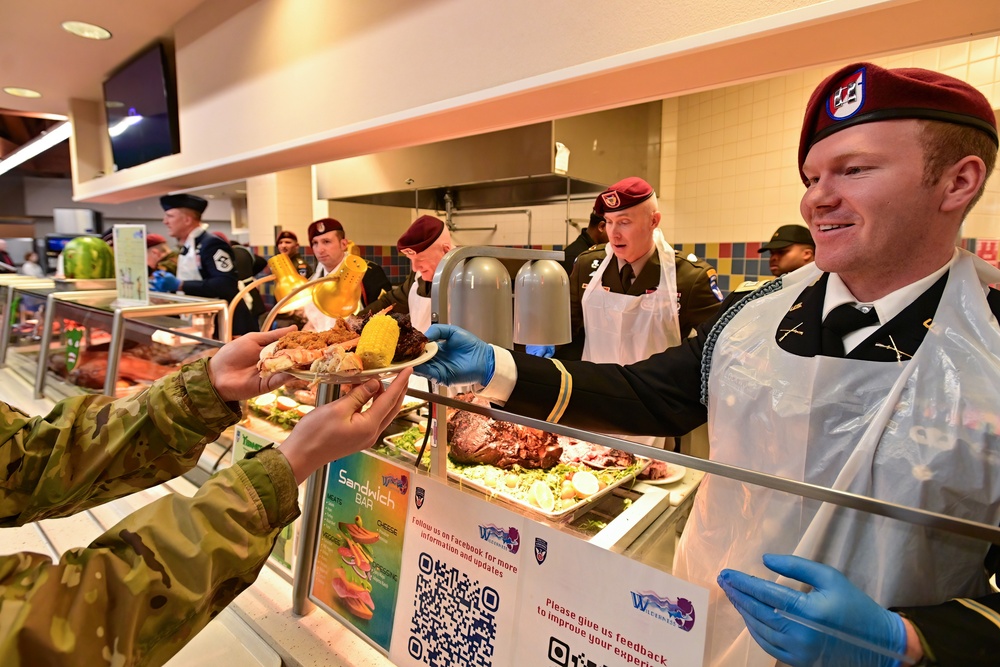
<point>734,174</point>
<point>728,175</point>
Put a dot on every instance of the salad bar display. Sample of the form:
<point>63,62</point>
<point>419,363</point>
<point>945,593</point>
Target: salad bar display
<point>579,474</point>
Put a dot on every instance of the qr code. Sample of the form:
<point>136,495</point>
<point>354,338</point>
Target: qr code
<point>561,654</point>
<point>454,618</point>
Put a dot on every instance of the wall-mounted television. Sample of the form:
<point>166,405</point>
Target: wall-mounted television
<point>140,99</point>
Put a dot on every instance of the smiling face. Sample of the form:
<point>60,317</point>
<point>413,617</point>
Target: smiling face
<point>873,218</point>
<point>630,232</point>
<point>329,249</point>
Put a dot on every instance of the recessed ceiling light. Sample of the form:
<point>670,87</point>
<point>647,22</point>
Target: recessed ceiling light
<point>86,30</point>
<point>21,92</point>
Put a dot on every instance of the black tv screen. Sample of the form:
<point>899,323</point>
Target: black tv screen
<point>141,103</point>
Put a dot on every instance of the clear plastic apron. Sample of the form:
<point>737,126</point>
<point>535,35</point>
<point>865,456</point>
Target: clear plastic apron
<point>921,434</point>
<point>625,329</point>
<point>420,309</point>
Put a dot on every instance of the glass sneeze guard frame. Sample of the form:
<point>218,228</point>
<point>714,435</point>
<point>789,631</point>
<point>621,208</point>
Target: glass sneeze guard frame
<point>177,304</point>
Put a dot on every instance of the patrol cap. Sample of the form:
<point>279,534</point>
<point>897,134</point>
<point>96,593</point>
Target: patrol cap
<point>184,201</point>
<point>786,235</point>
<point>420,235</point>
<point>866,93</point>
<point>622,195</point>
<point>286,235</point>
<point>322,226</point>
<point>154,240</point>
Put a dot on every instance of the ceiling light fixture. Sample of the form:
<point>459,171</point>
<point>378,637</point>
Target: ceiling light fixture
<point>55,135</point>
<point>21,92</point>
<point>86,30</point>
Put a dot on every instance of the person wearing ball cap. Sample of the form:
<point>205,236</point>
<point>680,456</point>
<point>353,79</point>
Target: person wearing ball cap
<point>872,370</point>
<point>205,265</point>
<point>594,234</point>
<point>425,242</point>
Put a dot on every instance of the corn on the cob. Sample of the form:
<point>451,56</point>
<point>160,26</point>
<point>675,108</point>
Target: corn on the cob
<point>378,342</point>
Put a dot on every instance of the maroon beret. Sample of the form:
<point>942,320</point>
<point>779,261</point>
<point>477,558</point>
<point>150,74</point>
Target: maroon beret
<point>322,226</point>
<point>622,195</point>
<point>286,235</point>
<point>222,236</point>
<point>420,235</point>
<point>865,93</point>
<point>154,239</point>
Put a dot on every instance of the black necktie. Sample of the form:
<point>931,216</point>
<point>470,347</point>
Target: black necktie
<point>627,275</point>
<point>841,321</point>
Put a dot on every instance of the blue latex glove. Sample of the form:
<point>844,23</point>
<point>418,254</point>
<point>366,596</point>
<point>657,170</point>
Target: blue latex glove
<point>547,351</point>
<point>833,602</point>
<point>163,281</point>
<point>461,357</point>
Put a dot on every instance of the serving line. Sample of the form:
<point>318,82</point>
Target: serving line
<point>911,515</point>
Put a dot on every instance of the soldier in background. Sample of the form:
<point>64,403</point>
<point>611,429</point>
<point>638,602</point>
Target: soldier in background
<point>594,234</point>
<point>288,244</point>
<point>143,589</point>
<point>791,247</point>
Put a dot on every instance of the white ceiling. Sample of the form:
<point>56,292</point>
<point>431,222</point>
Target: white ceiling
<point>36,53</point>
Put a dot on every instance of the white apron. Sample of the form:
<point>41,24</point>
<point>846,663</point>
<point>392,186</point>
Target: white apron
<point>188,265</point>
<point>420,309</point>
<point>623,329</point>
<point>916,433</point>
<point>318,320</point>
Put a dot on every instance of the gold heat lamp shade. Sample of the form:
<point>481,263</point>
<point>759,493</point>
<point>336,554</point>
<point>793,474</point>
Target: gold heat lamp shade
<point>287,280</point>
<point>338,295</point>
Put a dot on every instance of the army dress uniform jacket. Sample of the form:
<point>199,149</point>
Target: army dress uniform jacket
<point>141,590</point>
<point>698,295</point>
<point>660,396</point>
<point>399,296</point>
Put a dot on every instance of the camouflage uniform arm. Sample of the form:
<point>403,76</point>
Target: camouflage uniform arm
<point>142,590</point>
<point>91,449</point>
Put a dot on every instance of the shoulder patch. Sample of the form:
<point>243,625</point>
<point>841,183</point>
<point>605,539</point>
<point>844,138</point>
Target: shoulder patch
<point>223,262</point>
<point>713,283</point>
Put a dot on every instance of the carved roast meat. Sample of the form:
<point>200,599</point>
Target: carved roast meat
<point>474,438</point>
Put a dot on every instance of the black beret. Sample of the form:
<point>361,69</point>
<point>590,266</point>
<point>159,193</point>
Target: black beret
<point>184,201</point>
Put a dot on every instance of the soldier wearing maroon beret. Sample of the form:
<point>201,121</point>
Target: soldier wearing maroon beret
<point>424,242</point>
<point>663,297</point>
<point>330,245</point>
<point>288,244</point>
<point>872,370</point>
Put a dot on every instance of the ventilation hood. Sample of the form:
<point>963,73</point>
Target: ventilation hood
<point>535,164</point>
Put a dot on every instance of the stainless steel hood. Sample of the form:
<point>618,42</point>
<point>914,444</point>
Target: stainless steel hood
<point>516,167</point>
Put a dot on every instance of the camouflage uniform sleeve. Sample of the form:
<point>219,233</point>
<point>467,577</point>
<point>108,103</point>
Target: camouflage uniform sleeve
<point>142,590</point>
<point>92,449</point>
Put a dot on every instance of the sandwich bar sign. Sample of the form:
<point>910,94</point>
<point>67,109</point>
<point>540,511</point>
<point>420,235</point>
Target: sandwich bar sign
<point>483,585</point>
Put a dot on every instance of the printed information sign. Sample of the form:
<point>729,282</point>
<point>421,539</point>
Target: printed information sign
<point>131,279</point>
<point>483,586</point>
<point>356,570</point>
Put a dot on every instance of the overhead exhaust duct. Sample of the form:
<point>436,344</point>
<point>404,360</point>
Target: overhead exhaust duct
<point>536,164</point>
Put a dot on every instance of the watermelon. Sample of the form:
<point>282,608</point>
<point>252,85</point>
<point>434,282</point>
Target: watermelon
<point>88,257</point>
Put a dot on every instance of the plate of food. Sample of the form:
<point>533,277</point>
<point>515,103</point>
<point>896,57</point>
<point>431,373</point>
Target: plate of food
<point>353,350</point>
<point>663,473</point>
<point>356,377</point>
